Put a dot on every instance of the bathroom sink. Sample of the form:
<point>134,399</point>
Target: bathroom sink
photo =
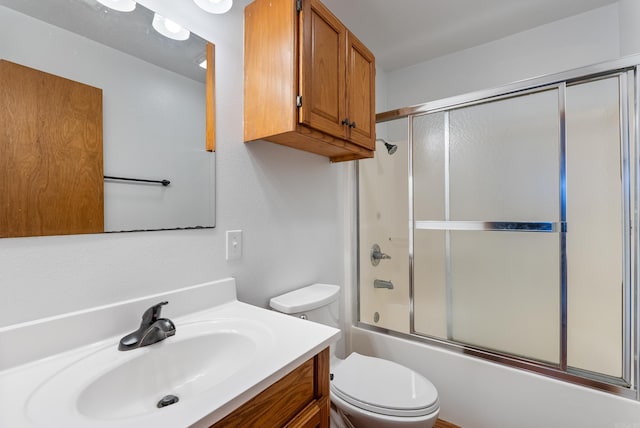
<point>109,385</point>
<point>68,372</point>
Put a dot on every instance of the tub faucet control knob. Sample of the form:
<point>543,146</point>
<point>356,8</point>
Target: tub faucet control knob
<point>377,255</point>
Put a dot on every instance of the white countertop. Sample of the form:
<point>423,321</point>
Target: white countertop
<point>292,341</point>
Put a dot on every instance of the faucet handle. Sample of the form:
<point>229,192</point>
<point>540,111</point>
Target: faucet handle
<point>376,255</point>
<point>152,314</point>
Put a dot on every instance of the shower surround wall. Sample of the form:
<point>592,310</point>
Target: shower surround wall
<point>383,201</point>
<point>493,395</point>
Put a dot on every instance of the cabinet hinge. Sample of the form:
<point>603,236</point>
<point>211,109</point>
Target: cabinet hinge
<point>298,5</point>
<point>299,101</point>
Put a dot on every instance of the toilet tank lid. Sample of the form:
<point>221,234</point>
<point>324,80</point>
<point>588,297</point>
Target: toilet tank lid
<point>305,299</point>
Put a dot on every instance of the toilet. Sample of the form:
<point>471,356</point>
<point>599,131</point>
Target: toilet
<point>369,392</point>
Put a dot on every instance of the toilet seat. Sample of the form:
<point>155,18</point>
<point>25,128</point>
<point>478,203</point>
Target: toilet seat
<point>383,387</point>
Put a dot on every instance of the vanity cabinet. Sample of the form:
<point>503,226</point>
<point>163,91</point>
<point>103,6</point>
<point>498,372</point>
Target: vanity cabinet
<point>309,82</point>
<point>298,400</point>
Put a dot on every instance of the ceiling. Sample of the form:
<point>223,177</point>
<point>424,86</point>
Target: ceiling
<point>399,32</point>
<point>405,32</point>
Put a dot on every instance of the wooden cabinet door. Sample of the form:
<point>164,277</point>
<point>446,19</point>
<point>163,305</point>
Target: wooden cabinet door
<point>278,404</point>
<point>360,93</point>
<point>51,170</point>
<point>322,70</point>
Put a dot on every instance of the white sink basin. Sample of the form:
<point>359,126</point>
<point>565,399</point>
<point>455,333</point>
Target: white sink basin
<point>224,353</point>
<point>112,385</point>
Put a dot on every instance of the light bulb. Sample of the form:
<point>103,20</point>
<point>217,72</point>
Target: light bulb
<point>169,28</point>
<point>214,6</point>
<point>119,5</point>
<point>172,26</point>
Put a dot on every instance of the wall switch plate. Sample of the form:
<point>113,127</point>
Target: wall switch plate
<point>234,244</point>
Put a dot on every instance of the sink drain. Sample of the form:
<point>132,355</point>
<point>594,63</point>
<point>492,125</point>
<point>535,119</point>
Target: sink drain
<point>167,400</point>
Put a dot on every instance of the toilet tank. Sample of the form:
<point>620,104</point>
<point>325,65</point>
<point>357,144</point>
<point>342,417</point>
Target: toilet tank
<point>316,302</point>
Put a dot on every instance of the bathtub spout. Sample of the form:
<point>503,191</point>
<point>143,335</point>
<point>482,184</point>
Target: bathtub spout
<point>380,283</point>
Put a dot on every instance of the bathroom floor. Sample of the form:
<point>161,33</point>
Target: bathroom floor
<point>444,424</point>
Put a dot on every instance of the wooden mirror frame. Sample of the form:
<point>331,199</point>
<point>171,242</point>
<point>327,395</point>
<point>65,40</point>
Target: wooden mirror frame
<point>210,133</point>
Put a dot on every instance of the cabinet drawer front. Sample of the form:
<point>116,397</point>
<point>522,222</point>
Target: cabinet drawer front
<point>277,404</point>
<point>308,418</point>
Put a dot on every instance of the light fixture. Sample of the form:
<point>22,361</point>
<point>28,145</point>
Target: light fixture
<point>214,6</point>
<point>168,28</point>
<point>119,5</point>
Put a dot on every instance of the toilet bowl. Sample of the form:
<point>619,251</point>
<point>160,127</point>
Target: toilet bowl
<point>378,393</point>
<point>371,392</point>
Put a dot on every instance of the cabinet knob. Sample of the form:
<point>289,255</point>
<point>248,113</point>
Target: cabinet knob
<point>352,125</point>
<point>346,122</point>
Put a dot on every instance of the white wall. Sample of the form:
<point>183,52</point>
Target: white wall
<point>629,29</point>
<point>476,393</point>
<point>287,203</point>
<point>562,45</point>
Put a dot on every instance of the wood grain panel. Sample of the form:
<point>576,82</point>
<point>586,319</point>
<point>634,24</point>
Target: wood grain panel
<point>210,110</point>
<point>307,418</point>
<point>345,158</point>
<point>444,424</point>
<point>270,68</point>
<point>325,69</point>
<point>322,387</point>
<point>321,374</point>
<point>52,154</point>
<point>323,62</point>
<point>325,412</point>
<point>4,164</point>
<point>316,142</point>
<point>361,93</point>
<point>277,404</point>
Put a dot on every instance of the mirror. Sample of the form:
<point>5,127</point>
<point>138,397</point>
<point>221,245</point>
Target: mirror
<point>153,104</point>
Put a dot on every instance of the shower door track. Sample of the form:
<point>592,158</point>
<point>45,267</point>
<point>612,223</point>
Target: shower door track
<point>626,69</point>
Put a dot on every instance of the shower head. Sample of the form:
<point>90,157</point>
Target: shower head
<point>391,148</point>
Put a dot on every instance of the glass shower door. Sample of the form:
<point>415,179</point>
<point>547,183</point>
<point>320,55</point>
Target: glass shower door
<point>488,225</point>
<point>522,227</point>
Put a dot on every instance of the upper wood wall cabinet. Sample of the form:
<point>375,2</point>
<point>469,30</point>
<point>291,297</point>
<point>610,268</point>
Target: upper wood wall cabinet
<point>308,82</point>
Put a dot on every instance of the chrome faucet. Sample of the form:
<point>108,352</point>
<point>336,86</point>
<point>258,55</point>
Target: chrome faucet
<point>152,329</point>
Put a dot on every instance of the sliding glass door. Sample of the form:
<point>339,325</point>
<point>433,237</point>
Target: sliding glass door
<point>497,224</point>
<point>519,244</point>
